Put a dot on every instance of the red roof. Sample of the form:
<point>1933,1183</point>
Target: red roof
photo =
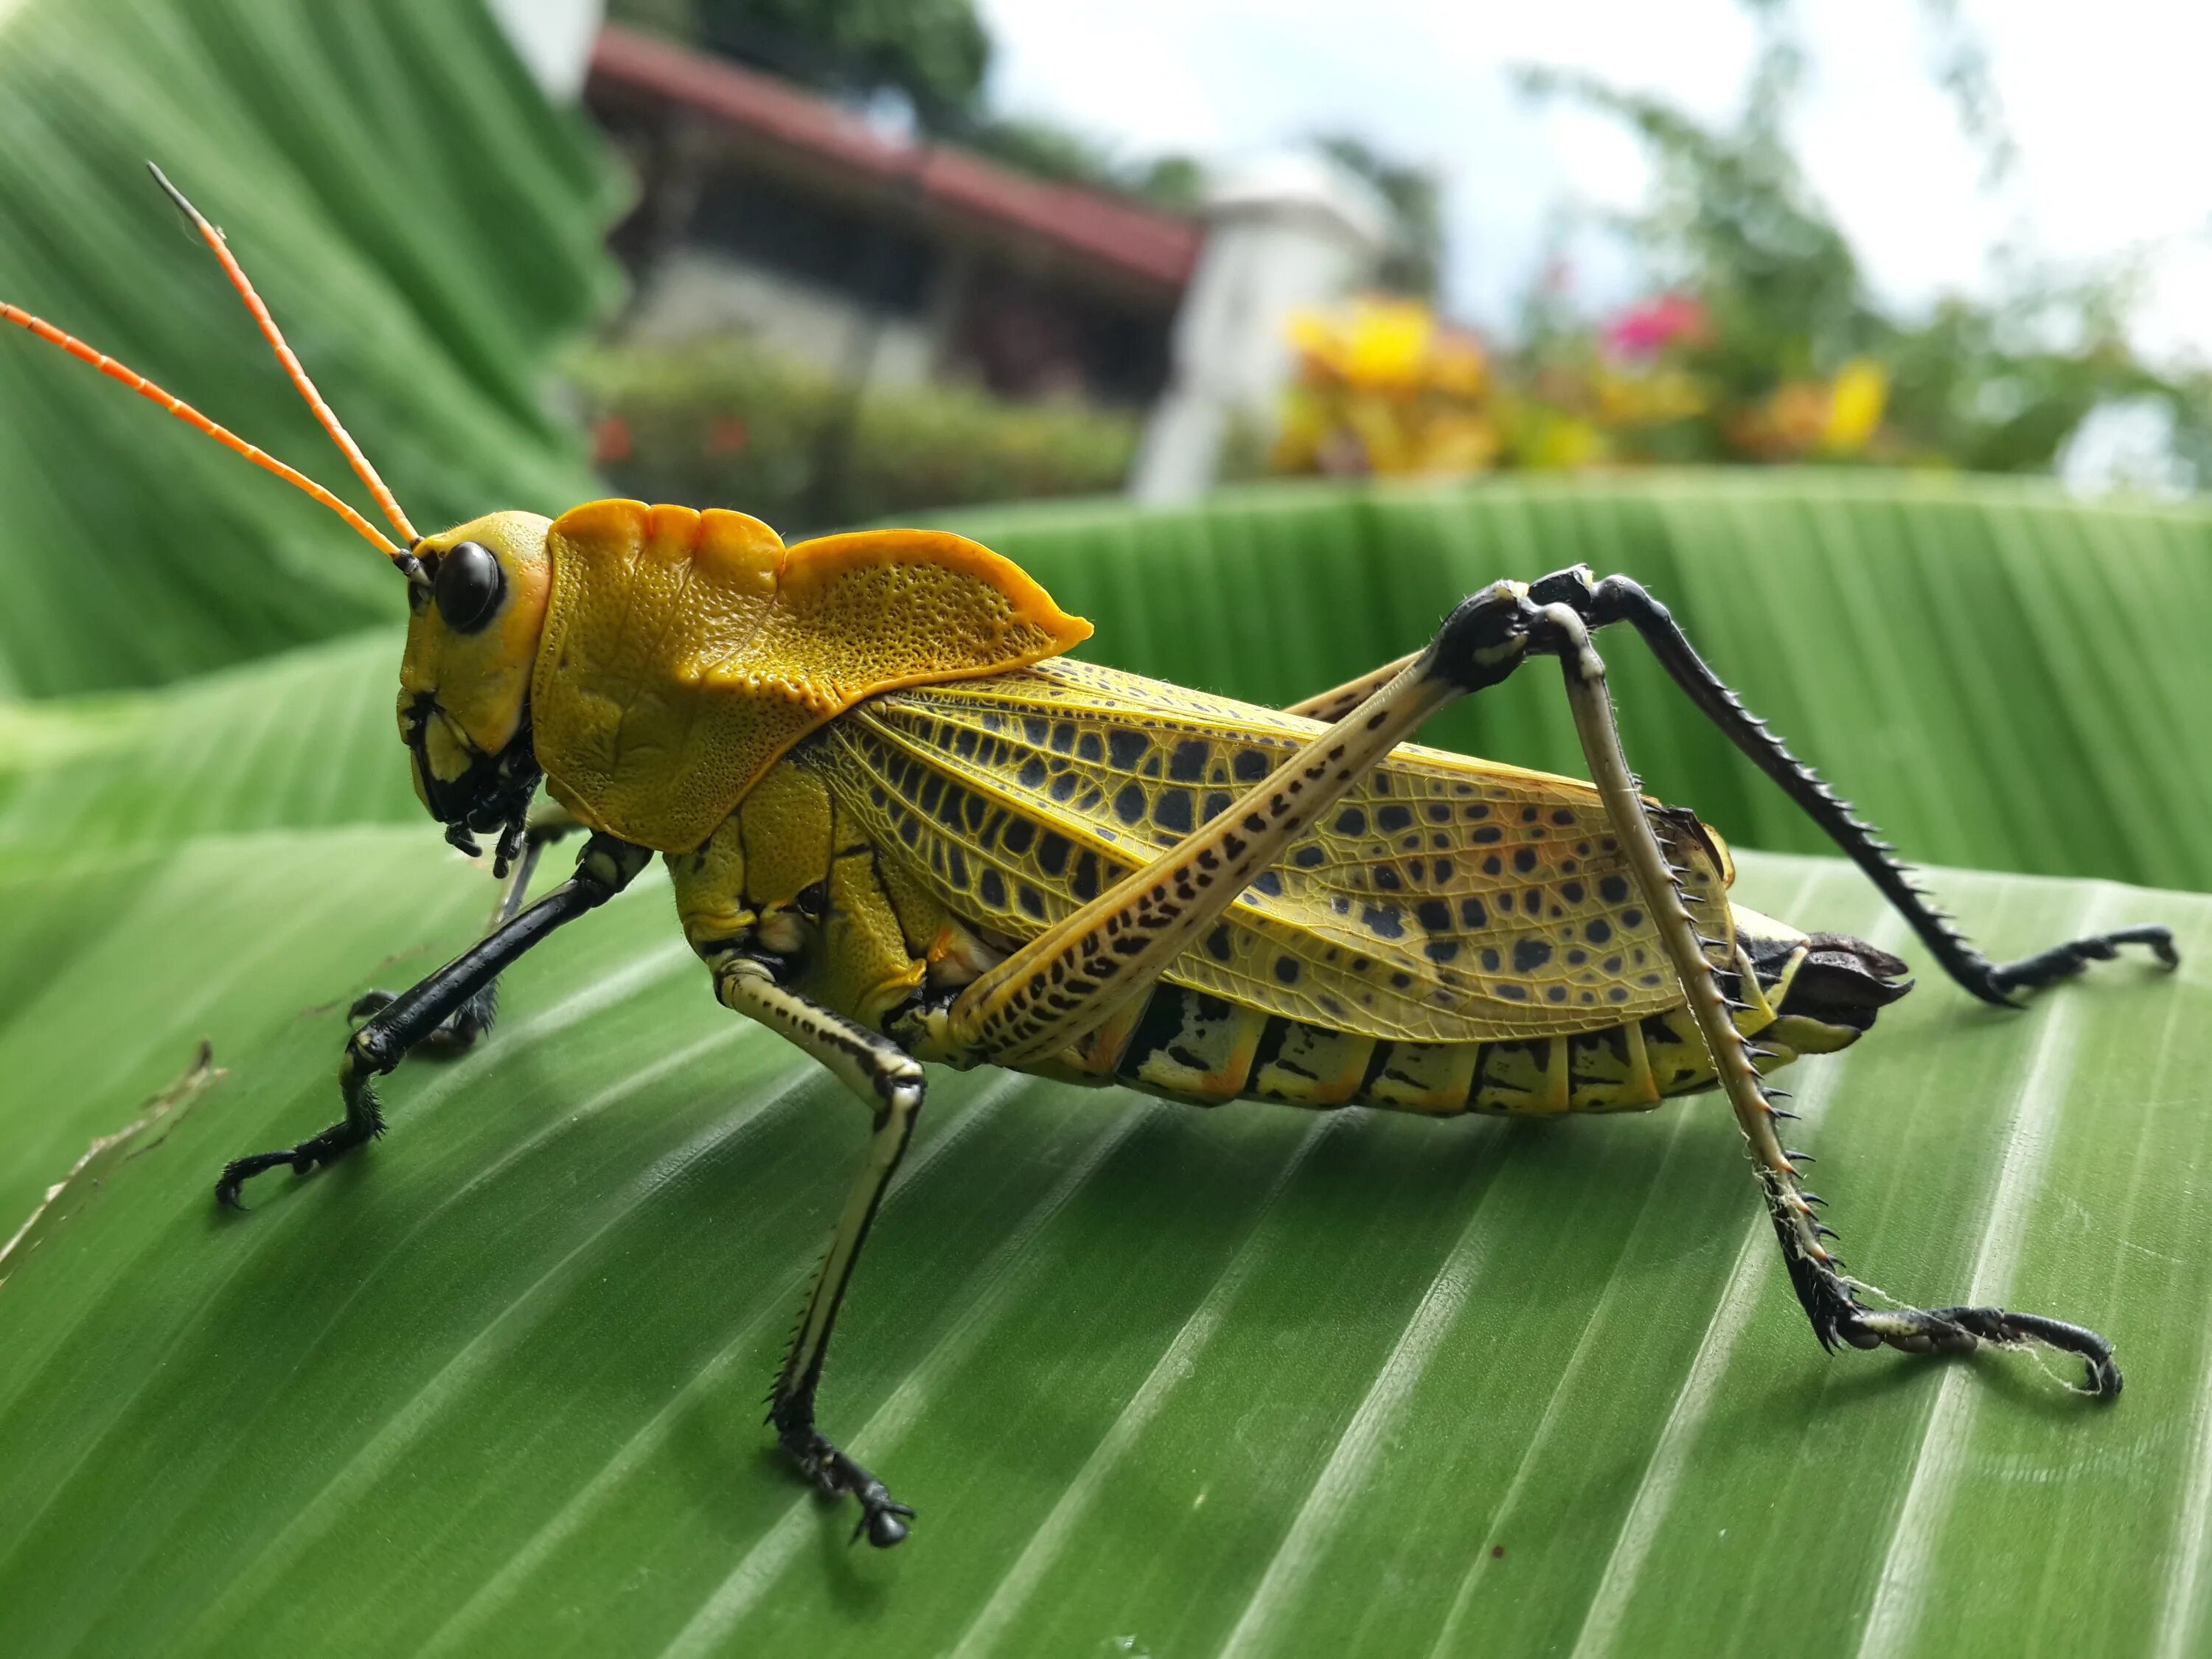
<point>1155,248</point>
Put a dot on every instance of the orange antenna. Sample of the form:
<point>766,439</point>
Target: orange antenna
<point>361,469</point>
<point>229,440</point>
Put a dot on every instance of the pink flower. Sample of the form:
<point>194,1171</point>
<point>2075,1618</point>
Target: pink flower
<point>1648,329</point>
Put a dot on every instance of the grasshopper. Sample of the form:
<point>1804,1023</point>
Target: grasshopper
<point>904,827</point>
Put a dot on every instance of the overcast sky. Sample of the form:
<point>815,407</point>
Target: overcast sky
<point>2106,102</point>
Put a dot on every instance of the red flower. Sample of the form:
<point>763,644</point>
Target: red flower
<point>1648,329</point>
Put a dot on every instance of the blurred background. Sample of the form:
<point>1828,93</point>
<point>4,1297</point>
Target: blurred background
<point>1178,243</point>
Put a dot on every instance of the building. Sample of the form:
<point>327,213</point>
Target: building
<point>768,210</point>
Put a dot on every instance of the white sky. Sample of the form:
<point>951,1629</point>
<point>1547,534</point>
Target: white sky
<point>2107,104</point>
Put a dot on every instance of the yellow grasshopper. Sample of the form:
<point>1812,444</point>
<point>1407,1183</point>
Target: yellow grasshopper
<point>904,827</point>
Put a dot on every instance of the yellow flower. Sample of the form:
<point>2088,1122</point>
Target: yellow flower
<point>1855,405</point>
<point>1388,343</point>
<point>1376,344</point>
<point>1314,335</point>
<point>1456,366</point>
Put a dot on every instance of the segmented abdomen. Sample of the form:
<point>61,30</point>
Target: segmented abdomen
<point>1186,1045</point>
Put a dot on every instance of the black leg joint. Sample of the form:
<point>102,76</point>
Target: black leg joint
<point>1483,640</point>
<point>1574,587</point>
<point>375,1049</point>
<point>882,1520</point>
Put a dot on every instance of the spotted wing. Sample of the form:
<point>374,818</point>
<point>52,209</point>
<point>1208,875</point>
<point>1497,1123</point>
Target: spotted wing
<point>1444,899</point>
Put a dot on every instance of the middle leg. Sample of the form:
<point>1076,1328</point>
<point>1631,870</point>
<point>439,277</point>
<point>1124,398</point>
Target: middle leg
<point>890,1083</point>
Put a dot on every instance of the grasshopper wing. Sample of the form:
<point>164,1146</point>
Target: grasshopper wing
<point>1444,900</point>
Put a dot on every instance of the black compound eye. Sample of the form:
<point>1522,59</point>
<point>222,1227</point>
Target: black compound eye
<point>467,586</point>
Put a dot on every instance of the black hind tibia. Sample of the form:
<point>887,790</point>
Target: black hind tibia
<point>1619,599</point>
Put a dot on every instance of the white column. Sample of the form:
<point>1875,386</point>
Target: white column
<point>1287,234</point>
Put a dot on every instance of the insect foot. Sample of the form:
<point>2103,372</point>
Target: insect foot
<point>326,1148</point>
<point>365,1057</point>
<point>1956,1330</point>
<point>1839,1316</point>
<point>2064,960</point>
<point>834,1474</point>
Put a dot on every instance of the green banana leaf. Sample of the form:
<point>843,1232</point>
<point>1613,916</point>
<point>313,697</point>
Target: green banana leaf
<point>423,225</point>
<point>1158,1381</point>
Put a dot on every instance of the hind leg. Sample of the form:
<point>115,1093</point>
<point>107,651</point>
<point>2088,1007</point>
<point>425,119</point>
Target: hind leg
<point>1618,600</point>
<point>1825,1294</point>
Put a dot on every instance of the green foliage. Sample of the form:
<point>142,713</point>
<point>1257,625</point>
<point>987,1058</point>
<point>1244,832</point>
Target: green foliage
<point>423,225</point>
<point>934,52</point>
<point>1414,197</point>
<point>1735,223</point>
<point>733,426</point>
<point>1995,385</point>
<point>1158,1380</point>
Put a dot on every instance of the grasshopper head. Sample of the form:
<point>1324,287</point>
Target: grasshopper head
<point>476,594</point>
<point>475,613</point>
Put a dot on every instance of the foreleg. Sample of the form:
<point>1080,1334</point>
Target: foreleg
<point>460,1030</point>
<point>605,868</point>
<point>890,1083</point>
<point>1822,1289</point>
<point>1617,598</point>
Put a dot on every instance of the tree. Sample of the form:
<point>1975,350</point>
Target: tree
<point>1410,191</point>
<point>1996,384</point>
<point>934,52</point>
